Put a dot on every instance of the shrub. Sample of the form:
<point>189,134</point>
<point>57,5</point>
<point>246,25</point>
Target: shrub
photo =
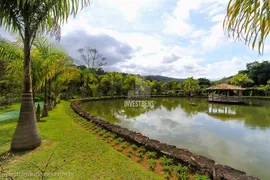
<point>101,132</point>
<point>125,145</point>
<point>107,134</point>
<point>38,113</point>
<point>151,155</point>
<point>121,139</point>
<point>142,149</point>
<point>140,159</point>
<point>114,135</point>
<point>166,161</point>
<point>129,153</point>
<point>167,176</point>
<point>182,172</point>
<point>201,177</point>
<point>152,164</point>
<point>140,155</point>
<point>121,149</point>
<point>168,169</point>
<point>134,146</point>
<point>117,141</point>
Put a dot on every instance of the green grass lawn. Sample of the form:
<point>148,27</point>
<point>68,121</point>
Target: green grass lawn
<point>4,109</point>
<point>84,155</point>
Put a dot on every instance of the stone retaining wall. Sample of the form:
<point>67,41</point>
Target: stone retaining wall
<point>197,164</point>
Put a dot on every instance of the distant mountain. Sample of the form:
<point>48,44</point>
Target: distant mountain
<point>162,78</point>
<point>223,80</point>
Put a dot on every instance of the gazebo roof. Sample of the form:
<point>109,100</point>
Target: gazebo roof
<point>225,87</point>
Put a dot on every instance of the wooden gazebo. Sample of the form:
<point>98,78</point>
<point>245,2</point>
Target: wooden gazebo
<point>223,93</point>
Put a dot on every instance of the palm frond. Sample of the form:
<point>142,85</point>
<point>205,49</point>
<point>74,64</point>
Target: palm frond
<point>248,21</point>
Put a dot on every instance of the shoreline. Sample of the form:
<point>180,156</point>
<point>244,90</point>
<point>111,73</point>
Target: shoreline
<point>197,163</point>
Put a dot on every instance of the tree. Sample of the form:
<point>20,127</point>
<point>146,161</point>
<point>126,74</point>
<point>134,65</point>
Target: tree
<point>190,86</point>
<point>112,82</point>
<point>241,80</point>
<point>248,20</point>
<point>203,82</point>
<point>92,58</point>
<point>259,72</point>
<point>10,85</point>
<point>29,18</point>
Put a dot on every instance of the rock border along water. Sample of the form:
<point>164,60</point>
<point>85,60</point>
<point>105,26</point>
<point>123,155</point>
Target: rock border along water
<point>196,163</point>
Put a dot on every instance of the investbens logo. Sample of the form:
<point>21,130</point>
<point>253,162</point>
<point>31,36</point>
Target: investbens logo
<point>138,103</point>
<point>142,91</point>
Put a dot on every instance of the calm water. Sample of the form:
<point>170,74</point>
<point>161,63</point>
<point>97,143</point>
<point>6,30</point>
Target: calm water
<point>235,135</point>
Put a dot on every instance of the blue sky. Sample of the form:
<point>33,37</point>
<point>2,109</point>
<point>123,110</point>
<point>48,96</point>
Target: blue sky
<point>176,38</point>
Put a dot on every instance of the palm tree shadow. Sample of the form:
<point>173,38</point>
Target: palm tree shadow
<point>8,155</point>
<point>42,121</point>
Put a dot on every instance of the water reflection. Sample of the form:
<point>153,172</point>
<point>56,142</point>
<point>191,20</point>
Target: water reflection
<point>235,135</point>
<point>255,114</point>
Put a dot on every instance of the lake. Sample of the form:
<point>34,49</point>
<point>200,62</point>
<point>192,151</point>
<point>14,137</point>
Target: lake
<point>234,135</point>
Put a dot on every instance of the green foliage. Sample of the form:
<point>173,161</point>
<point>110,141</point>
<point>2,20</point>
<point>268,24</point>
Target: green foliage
<point>182,172</point>
<point>140,155</point>
<point>241,80</point>
<point>259,72</point>
<point>168,169</point>
<point>201,177</point>
<point>166,161</point>
<point>103,131</point>
<point>203,82</point>
<point>124,145</point>
<point>151,155</point>
<point>190,86</point>
<point>152,164</point>
<point>35,17</point>
<point>248,21</point>
<point>134,146</point>
<point>140,159</point>
<point>166,175</point>
<point>142,149</point>
<point>38,112</point>
<point>129,153</point>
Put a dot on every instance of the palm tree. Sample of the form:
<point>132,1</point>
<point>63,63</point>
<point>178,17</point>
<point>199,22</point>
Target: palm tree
<point>248,20</point>
<point>112,81</point>
<point>64,72</point>
<point>29,18</point>
<point>47,53</point>
<point>11,56</point>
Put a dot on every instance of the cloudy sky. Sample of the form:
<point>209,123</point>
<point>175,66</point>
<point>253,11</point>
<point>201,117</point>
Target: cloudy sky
<point>176,38</point>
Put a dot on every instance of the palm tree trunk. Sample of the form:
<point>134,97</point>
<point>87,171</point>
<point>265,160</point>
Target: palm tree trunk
<point>49,96</point>
<point>26,135</point>
<point>45,106</point>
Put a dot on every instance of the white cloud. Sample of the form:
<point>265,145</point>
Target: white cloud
<point>226,68</point>
<point>215,38</point>
<point>143,37</point>
<point>129,9</point>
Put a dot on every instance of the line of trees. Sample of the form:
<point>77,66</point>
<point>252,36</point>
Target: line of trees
<point>245,20</point>
<point>255,78</point>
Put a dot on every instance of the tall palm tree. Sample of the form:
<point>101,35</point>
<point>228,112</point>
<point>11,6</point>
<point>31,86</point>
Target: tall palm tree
<point>29,18</point>
<point>248,20</point>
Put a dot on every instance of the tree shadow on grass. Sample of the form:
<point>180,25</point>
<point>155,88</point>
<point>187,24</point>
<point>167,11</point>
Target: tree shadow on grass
<point>14,120</point>
<point>42,121</point>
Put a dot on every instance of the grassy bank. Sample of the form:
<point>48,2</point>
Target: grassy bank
<point>81,155</point>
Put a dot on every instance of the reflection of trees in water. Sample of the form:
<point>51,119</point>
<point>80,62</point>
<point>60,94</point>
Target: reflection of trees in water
<point>253,116</point>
